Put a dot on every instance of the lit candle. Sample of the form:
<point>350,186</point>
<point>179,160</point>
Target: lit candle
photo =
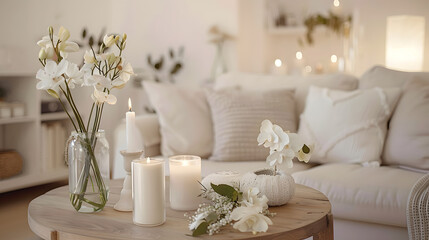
<point>185,175</point>
<point>148,184</point>
<point>334,63</point>
<point>132,143</point>
<point>279,68</point>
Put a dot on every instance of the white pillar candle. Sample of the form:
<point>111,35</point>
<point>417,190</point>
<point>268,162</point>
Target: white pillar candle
<point>185,175</point>
<point>148,184</point>
<point>132,143</point>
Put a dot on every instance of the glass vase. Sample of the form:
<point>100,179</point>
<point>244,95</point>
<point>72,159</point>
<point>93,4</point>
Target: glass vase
<point>88,160</point>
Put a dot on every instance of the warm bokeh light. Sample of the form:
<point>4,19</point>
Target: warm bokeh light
<point>298,55</point>
<point>334,58</point>
<point>278,62</point>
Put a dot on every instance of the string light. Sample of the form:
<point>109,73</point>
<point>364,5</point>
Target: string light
<point>298,55</point>
<point>334,58</point>
<point>278,62</point>
<point>336,3</point>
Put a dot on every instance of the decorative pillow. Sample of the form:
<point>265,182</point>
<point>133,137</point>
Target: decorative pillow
<point>184,117</point>
<point>237,116</point>
<point>407,142</point>
<point>347,126</point>
<point>255,82</point>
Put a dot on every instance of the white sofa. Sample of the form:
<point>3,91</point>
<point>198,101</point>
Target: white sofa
<point>367,202</point>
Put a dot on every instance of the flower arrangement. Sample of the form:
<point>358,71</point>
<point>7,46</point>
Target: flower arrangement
<point>103,71</point>
<point>284,146</point>
<point>247,212</point>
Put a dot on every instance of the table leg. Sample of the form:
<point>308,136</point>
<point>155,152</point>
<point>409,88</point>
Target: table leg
<point>328,232</point>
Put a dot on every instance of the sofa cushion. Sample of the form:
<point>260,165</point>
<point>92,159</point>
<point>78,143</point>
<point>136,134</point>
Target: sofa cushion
<point>184,117</point>
<point>369,194</point>
<point>247,81</point>
<point>379,76</point>
<point>347,126</point>
<point>237,116</point>
<point>407,142</point>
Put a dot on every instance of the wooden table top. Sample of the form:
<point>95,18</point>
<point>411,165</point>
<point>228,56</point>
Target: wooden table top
<point>51,216</point>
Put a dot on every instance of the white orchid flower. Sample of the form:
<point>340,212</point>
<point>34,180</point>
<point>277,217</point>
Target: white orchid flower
<point>51,77</point>
<point>305,157</point>
<point>89,57</point>
<point>46,45</point>
<point>74,75</point>
<point>198,220</point>
<point>100,97</point>
<point>126,71</point>
<point>278,157</point>
<point>272,136</point>
<point>251,198</point>
<point>249,219</point>
<point>63,34</point>
<point>109,40</point>
<point>67,47</point>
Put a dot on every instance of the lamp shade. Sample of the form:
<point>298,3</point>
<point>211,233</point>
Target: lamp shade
<point>405,42</point>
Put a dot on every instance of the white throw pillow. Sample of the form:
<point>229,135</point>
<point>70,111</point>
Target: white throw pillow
<point>237,117</point>
<point>255,82</point>
<point>184,117</point>
<point>347,126</point>
<point>407,142</point>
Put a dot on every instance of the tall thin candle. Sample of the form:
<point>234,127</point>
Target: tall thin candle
<point>132,143</point>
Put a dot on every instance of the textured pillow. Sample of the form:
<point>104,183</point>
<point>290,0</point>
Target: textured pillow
<point>347,126</point>
<point>407,142</point>
<point>255,82</point>
<point>237,116</point>
<point>184,117</point>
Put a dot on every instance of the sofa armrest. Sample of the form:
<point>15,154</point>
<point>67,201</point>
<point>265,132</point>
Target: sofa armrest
<point>148,127</point>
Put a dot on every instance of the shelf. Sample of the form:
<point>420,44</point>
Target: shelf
<point>54,116</point>
<point>28,180</point>
<point>15,120</point>
<point>296,30</point>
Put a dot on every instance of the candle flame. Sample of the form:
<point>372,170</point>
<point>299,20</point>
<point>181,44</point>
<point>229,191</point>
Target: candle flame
<point>129,104</point>
<point>147,160</point>
<point>185,163</point>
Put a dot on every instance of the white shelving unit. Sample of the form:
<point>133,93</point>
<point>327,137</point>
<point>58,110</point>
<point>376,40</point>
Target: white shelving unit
<point>23,134</point>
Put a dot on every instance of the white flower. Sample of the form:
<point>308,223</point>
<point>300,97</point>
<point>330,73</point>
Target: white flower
<point>101,97</point>
<point>74,75</point>
<point>66,47</point>
<point>42,54</point>
<point>89,57</point>
<point>305,157</point>
<point>278,157</point>
<point>51,77</point>
<point>109,40</point>
<point>272,136</point>
<point>198,220</point>
<point>250,199</point>
<point>295,142</point>
<point>126,72</point>
<point>250,220</point>
<point>46,45</point>
<point>63,34</point>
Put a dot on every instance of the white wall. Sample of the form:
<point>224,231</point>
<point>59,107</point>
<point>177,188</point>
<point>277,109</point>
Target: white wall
<point>257,48</point>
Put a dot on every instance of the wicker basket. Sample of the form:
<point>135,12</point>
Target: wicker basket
<point>10,163</point>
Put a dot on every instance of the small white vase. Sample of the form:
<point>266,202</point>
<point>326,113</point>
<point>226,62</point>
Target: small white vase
<point>278,188</point>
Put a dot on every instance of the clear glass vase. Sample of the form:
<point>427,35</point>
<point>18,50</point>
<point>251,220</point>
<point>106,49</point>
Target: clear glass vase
<point>88,160</point>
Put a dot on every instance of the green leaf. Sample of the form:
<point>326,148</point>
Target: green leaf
<point>225,190</point>
<point>211,217</point>
<point>201,229</point>
<point>306,149</point>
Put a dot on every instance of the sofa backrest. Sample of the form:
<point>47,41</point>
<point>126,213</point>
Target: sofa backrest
<point>379,76</point>
<point>301,84</point>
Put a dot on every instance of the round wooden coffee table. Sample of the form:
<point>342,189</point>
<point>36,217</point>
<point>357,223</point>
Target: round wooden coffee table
<point>51,216</point>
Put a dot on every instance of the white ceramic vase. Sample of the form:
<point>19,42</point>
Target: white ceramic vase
<point>278,188</point>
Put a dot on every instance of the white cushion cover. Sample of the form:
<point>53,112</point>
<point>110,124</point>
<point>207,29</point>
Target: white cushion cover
<point>237,116</point>
<point>377,195</point>
<point>407,141</point>
<point>379,76</point>
<point>347,126</point>
<point>184,117</point>
<point>252,82</point>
